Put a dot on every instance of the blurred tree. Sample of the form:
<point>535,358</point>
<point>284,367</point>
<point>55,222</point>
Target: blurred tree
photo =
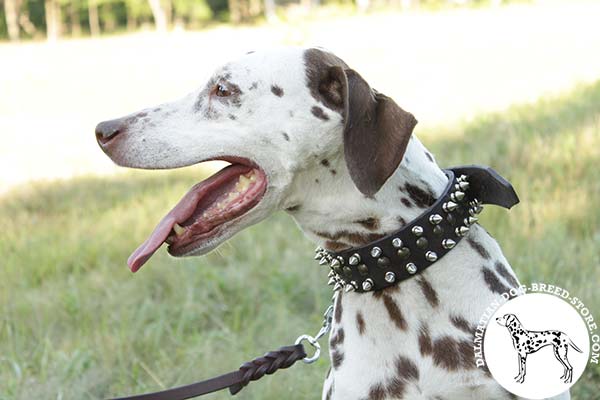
<point>160,15</point>
<point>53,19</point>
<point>74,17</point>
<point>93,18</point>
<point>11,12</point>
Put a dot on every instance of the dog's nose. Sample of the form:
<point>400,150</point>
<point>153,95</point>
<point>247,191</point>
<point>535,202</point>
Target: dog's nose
<point>107,130</point>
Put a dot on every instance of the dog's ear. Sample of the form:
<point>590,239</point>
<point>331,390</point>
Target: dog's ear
<point>376,129</point>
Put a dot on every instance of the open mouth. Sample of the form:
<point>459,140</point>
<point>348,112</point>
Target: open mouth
<point>202,213</point>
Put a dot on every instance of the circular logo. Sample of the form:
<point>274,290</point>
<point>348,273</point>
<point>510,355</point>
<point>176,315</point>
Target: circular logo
<point>536,346</point>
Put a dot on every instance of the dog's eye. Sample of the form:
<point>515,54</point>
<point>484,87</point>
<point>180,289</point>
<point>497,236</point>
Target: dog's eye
<point>221,90</point>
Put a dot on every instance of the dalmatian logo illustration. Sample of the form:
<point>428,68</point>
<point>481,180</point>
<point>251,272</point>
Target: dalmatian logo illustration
<point>527,342</point>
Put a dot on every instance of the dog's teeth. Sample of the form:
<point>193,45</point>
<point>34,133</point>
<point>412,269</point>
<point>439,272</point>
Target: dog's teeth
<point>178,229</point>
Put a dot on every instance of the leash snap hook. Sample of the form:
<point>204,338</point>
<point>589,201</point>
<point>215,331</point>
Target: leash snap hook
<point>313,342</point>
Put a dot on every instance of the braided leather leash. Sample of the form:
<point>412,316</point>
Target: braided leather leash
<point>253,370</point>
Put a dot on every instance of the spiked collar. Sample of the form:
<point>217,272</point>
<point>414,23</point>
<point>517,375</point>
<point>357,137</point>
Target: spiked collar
<point>426,239</point>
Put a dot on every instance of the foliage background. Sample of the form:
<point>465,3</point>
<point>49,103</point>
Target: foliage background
<point>516,87</point>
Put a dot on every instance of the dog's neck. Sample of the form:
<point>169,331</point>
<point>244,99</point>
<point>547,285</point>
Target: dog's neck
<point>338,216</point>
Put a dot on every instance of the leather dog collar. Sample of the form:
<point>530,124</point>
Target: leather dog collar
<point>426,239</point>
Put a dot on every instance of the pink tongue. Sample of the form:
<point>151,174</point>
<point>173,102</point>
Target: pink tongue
<point>182,211</point>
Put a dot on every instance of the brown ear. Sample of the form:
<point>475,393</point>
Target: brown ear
<point>376,131</point>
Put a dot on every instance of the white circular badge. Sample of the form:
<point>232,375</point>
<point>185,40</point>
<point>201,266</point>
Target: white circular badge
<point>536,346</point>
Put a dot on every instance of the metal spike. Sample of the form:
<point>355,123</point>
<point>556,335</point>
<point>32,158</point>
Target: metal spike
<point>319,249</point>
<point>330,274</point>
<point>457,196</point>
<point>338,286</point>
<point>349,288</point>
<point>417,230</point>
<point>462,178</point>
<point>463,185</point>
<point>334,263</point>
<point>390,277</point>
<point>435,219</point>
<point>448,243</point>
<point>331,281</point>
<point>354,259</point>
<point>462,230</point>
<point>411,268</point>
<point>470,220</point>
<point>318,256</point>
<point>367,284</point>
<point>375,252</point>
<point>397,243</point>
<point>449,206</point>
<point>431,256</point>
<point>323,261</point>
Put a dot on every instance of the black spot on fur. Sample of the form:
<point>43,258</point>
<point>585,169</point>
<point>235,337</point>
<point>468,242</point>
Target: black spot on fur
<point>428,291</point>
<point>360,323</point>
<point>333,171</point>
<point>293,208</point>
<point>505,273</point>
<point>406,369</point>
<point>232,117</point>
<point>423,198</point>
<point>394,312</point>
<point>462,324</point>
<point>377,392</point>
<point>337,339</point>
<point>370,223</point>
<point>325,163</point>
<point>277,91</point>
<point>446,353</point>
<point>406,202</point>
<point>493,283</point>
<point>337,357</point>
<point>478,247</point>
<point>429,156</point>
<point>319,113</point>
<point>425,344</point>
<point>286,136</point>
<point>253,86</point>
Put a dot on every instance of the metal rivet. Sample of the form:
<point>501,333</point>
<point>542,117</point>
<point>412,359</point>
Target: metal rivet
<point>448,243</point>
<point>330,274</point>
<point>354,259</point>
<point>349,288</point>
<point>323,261</point>
<point>332,280</point>
<point>461,231</point>
<point>411,268</point>
<point>463,185</point>
<point>450,218</point>
<point>431,256</point>
<point>438,230</point>
<point>334,263</point>
<point>347,271</point>
<point>397,243</point>
<point>422,242</point>
<point>383,262</point>
<point>403,252</point>
<point>363,270</point>
<point>417,230</point>
<point>338,286</point>
<point>367,284</point>
<point>375,252</point>
<point>449,206</point>
<point>318,249</point>
<point>390,277</point>
<point>435,219</point>
<point>462,178</point>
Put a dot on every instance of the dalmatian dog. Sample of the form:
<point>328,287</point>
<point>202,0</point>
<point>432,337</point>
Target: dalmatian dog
<point>305,133</point>
<point>527,342</point>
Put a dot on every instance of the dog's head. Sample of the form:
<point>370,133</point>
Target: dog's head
<point>508,320</point>
<point>272,115</point>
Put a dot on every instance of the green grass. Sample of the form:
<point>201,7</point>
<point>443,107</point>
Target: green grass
<point>75,324</point>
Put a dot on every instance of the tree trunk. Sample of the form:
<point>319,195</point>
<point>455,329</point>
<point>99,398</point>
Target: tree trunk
<point>11,10</point>
<point>93,17</point>
<point>74,19</point>
<point>235,15</point>
<point>160,17</point>
<point>270,10</point>
<point>53,19</point>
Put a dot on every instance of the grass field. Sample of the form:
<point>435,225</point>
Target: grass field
<point>75,324</point>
